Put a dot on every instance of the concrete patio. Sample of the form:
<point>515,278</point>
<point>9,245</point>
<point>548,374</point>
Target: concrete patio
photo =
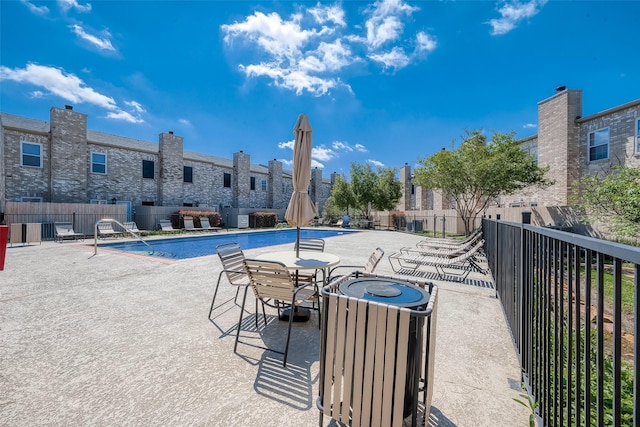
<point>119,339</point>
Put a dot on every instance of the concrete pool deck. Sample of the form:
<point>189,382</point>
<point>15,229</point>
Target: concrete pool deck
<point>119,339</point>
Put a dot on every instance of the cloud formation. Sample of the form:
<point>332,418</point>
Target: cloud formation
<point>318,154</point>
<point>100,43</point>
<point>306,51</point>
<point>512,13</point>
<point>37,10</point>
<point>66,5</point>
<point>71,88</point>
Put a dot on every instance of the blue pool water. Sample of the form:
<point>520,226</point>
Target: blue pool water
<point>191,247</point>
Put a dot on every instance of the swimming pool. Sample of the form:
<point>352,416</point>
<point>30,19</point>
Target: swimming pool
<point>197,246</point>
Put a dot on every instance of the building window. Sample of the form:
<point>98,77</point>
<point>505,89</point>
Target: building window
<point>227,180</point>
<point>188,173</point>
<point>263,184</point>
<point>599,145</point>
<point>31,154</point>
<point>252,182</point>
<point>147,203</point>
<point>99,163</point>
<point>148,167</point>
<point>31,199</point>
<point>638,136</point>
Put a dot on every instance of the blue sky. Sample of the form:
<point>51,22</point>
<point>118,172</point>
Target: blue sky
<point>385,82</point>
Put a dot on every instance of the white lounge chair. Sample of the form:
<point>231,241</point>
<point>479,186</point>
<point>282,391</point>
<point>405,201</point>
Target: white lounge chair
<point>64,230</point>
<point>461,265</point>
<point>105,229</point>
<point>206,225</point>
<point>165,225</point>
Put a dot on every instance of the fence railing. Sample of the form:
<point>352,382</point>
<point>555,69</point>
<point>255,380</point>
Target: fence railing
<point>572,304</point>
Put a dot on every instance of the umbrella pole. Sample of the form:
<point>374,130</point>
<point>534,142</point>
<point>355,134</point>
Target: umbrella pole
<point>297,242</point>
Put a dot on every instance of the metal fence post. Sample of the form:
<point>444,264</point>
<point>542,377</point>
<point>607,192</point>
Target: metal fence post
<point>526,219</point>
<point>444,219</point>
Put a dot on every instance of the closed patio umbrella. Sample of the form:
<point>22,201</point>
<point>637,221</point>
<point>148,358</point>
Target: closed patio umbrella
<point>301,209</point>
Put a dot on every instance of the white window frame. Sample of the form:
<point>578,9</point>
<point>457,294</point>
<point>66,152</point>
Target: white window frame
<point>263,184</point>
<point>98,163</point>
<point>22,154</point>
<point>637,136</point>
<point>98,202</point>
<point>589,146</point>
<point>31,199</point>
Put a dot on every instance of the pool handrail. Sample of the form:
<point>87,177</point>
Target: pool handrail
<point>127,230</point>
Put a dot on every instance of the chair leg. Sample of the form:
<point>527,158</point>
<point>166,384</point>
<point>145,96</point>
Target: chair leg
<point>244,299</point>
<point>286,348</point>
<point>216,293</point>
<point>235,300</point>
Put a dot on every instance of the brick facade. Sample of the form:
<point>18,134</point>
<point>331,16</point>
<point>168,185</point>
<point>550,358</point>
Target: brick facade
<point>562,143</point>
<point>65,171</point>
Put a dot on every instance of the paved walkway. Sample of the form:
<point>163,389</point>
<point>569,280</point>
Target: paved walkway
<point>115,340</point>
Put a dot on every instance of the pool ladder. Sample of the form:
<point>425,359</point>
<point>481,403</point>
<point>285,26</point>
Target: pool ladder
<point>133,233</point>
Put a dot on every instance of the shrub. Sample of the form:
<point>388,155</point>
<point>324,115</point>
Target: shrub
<point>214,217</point>
<point>263,219</point>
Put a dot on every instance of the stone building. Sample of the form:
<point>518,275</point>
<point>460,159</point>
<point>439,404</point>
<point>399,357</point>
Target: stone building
<point>62,161</point>
<point>571,145</point>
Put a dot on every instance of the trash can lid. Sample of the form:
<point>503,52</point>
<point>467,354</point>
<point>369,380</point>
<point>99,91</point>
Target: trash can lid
<point>388,291</point>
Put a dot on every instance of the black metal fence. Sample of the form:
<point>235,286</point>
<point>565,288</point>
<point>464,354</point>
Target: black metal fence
<point>572,304</point>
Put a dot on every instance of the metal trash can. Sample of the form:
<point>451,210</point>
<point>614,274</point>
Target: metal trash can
<point>403,294</point>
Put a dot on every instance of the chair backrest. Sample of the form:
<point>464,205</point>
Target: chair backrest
<point>311,245</point>
<point>232,259</point>
<point>204,222</point>
<point>374,260</point>
<point>364,371</point>
<point>165,224</point>
<point>188,223</point>
<point>270,280</point>
<point>64,228</point>
<point>130,225</point>
<point>105,228</point>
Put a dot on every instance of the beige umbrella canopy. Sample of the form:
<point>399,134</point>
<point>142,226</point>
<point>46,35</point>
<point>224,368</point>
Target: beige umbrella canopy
<point>301,209</point>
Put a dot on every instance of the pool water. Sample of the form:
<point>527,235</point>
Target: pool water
<point>197,246</point>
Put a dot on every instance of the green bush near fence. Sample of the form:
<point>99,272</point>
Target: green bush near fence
<point>263,219</point>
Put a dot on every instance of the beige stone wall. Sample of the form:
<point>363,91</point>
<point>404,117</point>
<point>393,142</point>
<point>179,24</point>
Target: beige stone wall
<point>68,146</point>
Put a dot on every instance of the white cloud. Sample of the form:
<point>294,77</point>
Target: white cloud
<point>69,87</point>
<point>36,94</point>
<point>361,148</point>
<point>100,43</point>
<point>512,13</point>
<point>124,116</point>
<point>306,51</point>
<point>529,125</point>
<point>332,14</point>
<point>73,4</point>
<point>135,106</point>
<point>385,24</point>
<point>54,80</point>
<point>316,164</point>
<point>37,10</point>
<point>184,122</point>
<point>396,58</point>
<point>376,163</point>
<point>288,144</point>
<point>287,162</point>
<point>425,42</point>
<point>322,153</point>
<point>341,146</point>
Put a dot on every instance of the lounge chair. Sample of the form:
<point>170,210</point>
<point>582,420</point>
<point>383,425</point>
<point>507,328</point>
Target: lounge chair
<point>105,229</point>
<point>443,251</point>
<point>232,259</point>
<point>273,285</point>
<point>461,265</point>
<point>165,225</point>
<point>188,224</point>
<point>64,230</point>
<point>450,243</point>
<point>369,267</point>
<point>206,225</point>
<point>133,227</point>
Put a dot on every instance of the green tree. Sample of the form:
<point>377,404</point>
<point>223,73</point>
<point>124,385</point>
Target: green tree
<point>367,190</point>
<point>478,172</point>
<point>614,199</point>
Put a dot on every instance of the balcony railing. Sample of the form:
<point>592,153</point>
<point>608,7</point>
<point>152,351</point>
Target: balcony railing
<point>572,304</point>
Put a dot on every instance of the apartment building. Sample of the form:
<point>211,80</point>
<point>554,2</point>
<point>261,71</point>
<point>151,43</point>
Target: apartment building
<point>62,161</point>
<point>572,145</point>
